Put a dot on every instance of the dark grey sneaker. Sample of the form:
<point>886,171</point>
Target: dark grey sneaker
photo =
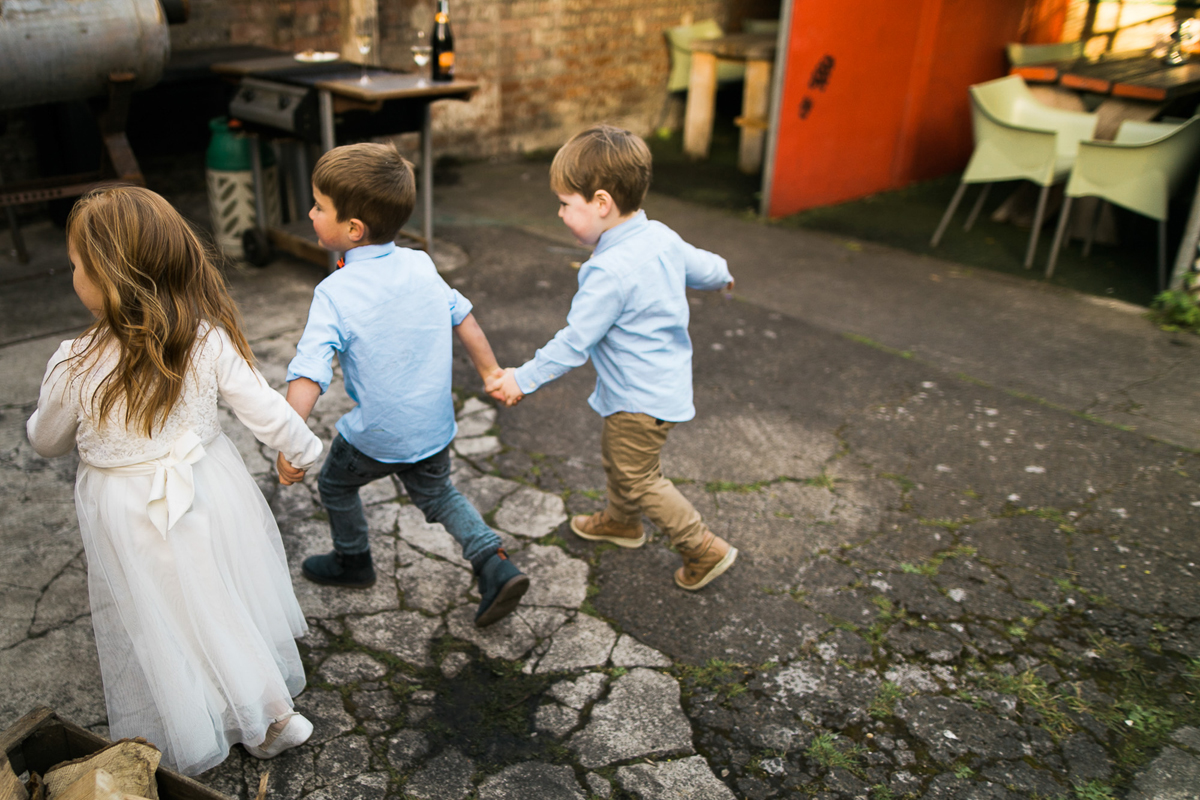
<point>501,585</point>
<point>338,569</point>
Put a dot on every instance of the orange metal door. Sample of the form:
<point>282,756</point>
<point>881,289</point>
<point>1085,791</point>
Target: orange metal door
<point>875,94</point>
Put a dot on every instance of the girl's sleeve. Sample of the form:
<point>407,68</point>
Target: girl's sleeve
<point>262,409</point>
<point>52,427</point>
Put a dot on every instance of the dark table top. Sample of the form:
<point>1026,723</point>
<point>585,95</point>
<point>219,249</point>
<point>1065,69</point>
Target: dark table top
<point>741,46</point>
<point>1131,75</point>
<point>342,78</point>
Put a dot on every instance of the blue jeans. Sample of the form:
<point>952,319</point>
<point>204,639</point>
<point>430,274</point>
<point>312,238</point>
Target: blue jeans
<point>428,485</point>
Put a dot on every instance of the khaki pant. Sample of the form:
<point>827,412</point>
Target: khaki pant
<point>629,449</point>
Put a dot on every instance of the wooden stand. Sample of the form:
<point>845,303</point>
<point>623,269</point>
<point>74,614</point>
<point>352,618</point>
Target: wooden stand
<point>758,53</point>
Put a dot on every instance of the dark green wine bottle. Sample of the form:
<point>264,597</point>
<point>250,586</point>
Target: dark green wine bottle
<point>443,44</point>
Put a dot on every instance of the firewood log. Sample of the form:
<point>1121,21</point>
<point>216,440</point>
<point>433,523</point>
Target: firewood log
<point>130,762</point>
<point>10,784</point>
<point>96,784</point>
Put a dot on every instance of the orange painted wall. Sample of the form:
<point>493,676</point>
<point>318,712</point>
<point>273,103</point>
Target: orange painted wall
<point>894,106</point>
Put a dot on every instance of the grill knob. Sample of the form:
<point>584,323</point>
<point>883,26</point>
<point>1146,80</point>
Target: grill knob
<point>248,95</point>
<point>284,102</point>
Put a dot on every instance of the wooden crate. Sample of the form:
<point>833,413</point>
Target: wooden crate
<point>39,740</point>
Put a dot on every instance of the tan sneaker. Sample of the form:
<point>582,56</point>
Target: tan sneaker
<point>706,562</point>
<point>600,527</point>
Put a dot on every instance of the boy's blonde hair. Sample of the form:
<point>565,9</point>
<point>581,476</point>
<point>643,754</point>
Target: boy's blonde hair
<point>604,157</point>
<point>369,182</point>
<point>158,283</point>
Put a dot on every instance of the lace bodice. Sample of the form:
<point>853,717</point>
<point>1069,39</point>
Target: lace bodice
<point>113,444</point>
<point>65,414</point>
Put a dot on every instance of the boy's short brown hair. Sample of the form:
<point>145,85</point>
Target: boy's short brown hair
<point>604,157</point>
<point>368,182</point>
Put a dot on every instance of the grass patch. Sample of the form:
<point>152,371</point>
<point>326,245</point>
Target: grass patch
<point>1094,790</point>
<point>825,750</point>
<point>884,703</point>
<point>854,337</point>
<point>931,565</point>
<point>726,678</point>
<point>822,481</point>
<point>1032,691</point>
<point>906,484</point>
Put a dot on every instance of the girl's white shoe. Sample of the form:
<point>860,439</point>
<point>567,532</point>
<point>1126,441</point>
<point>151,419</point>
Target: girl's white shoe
<point>294,732</point>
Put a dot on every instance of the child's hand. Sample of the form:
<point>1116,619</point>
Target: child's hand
<point>492,384</point>
<point>287,473</point>
<point>510,391</point>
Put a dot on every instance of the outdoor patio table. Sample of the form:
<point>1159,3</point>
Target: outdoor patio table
<point>757,50</point>
<point>400,96</point>
<point>1138,85</point>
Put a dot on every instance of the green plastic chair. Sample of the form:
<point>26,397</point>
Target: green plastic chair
<point>680,42</point>
<point>1139,170</point>
<point>1017,138</point>
<point>1021,54</point>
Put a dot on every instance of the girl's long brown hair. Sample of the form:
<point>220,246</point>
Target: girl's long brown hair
<point>158,283</point>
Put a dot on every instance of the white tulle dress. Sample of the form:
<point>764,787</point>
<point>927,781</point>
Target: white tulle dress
<point>192,604</point>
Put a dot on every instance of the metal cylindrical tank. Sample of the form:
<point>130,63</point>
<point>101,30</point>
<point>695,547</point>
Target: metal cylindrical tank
<point>52,50</point>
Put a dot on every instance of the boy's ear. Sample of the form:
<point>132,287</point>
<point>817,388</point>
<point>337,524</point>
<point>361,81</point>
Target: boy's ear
<point>604,202</point>
<point>357,230</point>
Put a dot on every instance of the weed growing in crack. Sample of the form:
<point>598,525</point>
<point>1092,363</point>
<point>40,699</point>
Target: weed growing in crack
<point>931,565</point>
<point>906,484</point>
<point>1094,790</point>
<point>822,481</point>
<point>553,539</point>
<point>586,606</point>
<point>824,750</point>
<point>726,678</point>
<point>884,703</point>
<point>952,525</point>
<point>1032,691</point>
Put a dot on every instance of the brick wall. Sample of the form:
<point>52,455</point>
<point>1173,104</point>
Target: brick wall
<point>287,24</point>
<point>552,67</point>
<point>547,68</point>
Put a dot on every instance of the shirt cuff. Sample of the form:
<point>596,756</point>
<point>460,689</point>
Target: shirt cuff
<point>314,369</point>
<point>527,378</point>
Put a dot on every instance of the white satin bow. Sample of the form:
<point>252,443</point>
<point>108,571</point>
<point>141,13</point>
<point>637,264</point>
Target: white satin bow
<point>171,489</point>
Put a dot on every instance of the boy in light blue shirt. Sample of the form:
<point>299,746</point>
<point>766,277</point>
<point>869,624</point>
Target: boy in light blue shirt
<point>630,316</point>
<point>388,316</point>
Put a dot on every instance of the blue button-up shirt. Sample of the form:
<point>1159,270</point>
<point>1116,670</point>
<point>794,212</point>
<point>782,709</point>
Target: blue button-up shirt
<point>630,316</point>
<point>388,316</point>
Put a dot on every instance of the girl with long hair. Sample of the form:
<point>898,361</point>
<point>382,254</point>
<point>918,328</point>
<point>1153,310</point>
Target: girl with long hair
<point>192,604</point>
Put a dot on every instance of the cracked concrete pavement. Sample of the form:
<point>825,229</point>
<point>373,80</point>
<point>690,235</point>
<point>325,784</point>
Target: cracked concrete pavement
<point>963,573</point>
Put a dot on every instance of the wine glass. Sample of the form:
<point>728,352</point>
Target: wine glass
<point>421,50</point>
<point>364,37</point>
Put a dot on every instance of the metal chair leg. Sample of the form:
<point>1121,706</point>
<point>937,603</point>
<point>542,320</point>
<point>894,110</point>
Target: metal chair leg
<point>1064,218</point>
<point>979,201</point>
<point>1162,255</point>
<point>1037,226</point>
<point>954,201</point>
<point>1091,231</point>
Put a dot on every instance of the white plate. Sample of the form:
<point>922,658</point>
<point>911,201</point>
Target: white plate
<point>315,56</point>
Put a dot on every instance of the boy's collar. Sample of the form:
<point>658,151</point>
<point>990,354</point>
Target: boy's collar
<point>368,251</point>
<point>619,232</point>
